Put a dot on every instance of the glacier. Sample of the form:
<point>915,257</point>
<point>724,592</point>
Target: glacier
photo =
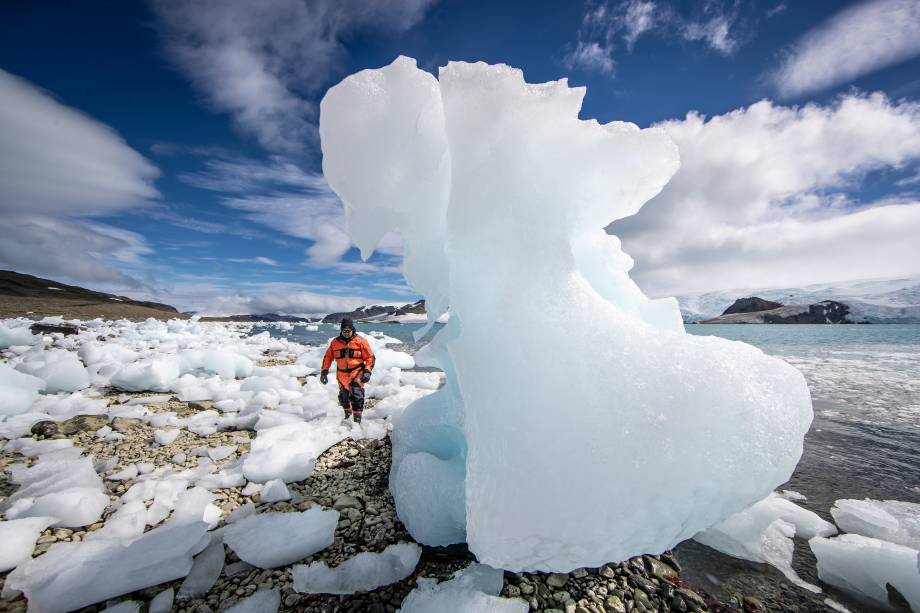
<point>579,424</point>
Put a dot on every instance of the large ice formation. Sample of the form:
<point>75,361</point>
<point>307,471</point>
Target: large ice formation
<point>579,423</point>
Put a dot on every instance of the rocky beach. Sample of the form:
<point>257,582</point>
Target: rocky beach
<point>350,477</point>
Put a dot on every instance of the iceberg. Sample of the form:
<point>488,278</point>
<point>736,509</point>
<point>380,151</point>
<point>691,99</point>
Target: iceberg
<point>554,357</point>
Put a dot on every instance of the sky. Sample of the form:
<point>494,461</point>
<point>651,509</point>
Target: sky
<point>169,150</point>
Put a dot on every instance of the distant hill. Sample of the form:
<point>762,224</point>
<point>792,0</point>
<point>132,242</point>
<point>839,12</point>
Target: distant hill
<point>408,313</point>
<point>870,300</point>
<point>261,317</point>
<point>28,296</point>
<point>826,312</point>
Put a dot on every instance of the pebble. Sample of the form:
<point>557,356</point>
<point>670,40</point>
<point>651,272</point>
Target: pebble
<point>557,579</point>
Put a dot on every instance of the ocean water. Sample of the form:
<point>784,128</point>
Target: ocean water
<point>865,385</point>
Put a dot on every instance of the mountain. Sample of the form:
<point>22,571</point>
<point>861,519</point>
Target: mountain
<point>827,312</point>
<point>22,295</point>
<point>261,317</point>
<point>871,300</point>
<point>408,313</point>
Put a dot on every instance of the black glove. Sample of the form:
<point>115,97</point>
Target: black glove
<point>365,376</point>
<point>324,377</point>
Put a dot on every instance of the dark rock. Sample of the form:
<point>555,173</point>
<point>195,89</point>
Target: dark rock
<point>65,329</point>
<point>123,424</point>
<point>751,305</point>
<point>82,423</point>
<point>45,429</point>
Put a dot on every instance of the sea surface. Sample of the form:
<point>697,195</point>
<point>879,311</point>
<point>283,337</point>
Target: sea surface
<point>864,441</point>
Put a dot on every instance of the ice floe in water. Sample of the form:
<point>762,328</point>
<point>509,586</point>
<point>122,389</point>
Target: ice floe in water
<point>470,590</point>
<point>269,540</point>
<point>763,533</point>
<point>365,572</point>
<point>888,520</point>
<point>865,567</point>
<point>554,357</point>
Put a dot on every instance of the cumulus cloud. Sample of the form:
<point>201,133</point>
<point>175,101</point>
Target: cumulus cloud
<point>263,62</point>
<point>763,197</point>
<point>855,42</point>
<point>606,26</point>
<point>56,160</point>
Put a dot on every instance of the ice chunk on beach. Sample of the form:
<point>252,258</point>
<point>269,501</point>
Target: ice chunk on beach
<point>864,566</point>
<point>73,575</point>
<point>225,363</point>
<point>62,371</point>
<point>162,602</point>
<point>17,391</point>
<point>763,533</point>
<point>289,451</point>
<point>470,590</point>
<point>365,572</point>
<point>166,437</point>
<point>154,375</point>
<point>68,489</point>
<point>18,537</point>
<point>263,601</point>
<point>270,540</point>
<point>205,571</point>
<point>20,335</point>
<point>501,193</point>
<point>73,507</point>
<point>888,520</point>
<point>274,491</point>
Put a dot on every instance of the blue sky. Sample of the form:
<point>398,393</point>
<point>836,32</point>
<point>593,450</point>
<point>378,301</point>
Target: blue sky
<point>168,150</point>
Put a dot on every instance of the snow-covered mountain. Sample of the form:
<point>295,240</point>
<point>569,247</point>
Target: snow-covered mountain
<point>873,300</point>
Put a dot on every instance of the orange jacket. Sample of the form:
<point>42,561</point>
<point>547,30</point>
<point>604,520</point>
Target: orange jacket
<point>351,357</point>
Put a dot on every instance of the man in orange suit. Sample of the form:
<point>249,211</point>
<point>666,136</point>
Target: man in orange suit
<point>354,362</point>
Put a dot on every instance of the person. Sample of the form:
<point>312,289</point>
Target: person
<point>354,361</point>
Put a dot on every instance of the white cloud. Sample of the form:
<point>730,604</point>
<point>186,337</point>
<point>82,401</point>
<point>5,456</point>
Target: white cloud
<point>855,42</point>
<point>263,62</point>
<point>592,57</point>
<point>57,165</point>
<point>280,195</point>
<point>605,26</point>
<point>280,300</point>
<point>761,199</point>
<point>56,160</point>
<point>70,251</point>
<point>256,260</point>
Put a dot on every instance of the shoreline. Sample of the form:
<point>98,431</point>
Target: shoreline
<point>352,477</point>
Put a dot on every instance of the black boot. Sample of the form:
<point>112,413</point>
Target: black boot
<point>347,414</point>
<point>357,418</point>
